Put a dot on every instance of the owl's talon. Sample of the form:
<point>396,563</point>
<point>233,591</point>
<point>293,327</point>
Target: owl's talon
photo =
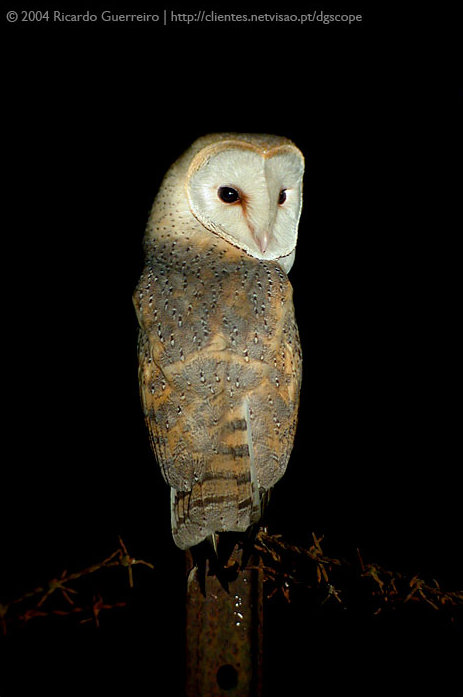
<point>191,576</point>
<point>214,539</point>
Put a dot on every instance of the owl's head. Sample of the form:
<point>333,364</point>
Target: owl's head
<point>248,190</point>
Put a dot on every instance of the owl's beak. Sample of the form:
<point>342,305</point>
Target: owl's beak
<point>261,238</point>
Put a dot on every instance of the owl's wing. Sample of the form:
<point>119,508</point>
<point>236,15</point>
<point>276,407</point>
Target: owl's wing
<point>204,448</point>
<point>219,379</point>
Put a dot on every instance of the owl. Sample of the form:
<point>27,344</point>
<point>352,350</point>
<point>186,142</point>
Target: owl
<point>219,354</point>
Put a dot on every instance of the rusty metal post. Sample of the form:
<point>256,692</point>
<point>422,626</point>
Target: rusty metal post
<point>224,634</point>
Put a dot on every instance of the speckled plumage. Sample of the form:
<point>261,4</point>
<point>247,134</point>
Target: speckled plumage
<point>219,366</point>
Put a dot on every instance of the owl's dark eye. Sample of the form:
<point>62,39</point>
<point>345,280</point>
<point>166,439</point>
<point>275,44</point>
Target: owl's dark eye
<point>282,197</point>
<point>228,195</point>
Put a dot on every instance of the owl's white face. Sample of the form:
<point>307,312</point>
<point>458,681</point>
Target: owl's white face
<point>250,198</point>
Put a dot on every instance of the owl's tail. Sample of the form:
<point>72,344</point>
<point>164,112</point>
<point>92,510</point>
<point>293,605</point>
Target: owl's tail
<point>226,496</point>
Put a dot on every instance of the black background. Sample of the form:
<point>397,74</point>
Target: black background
<point>95,116</point>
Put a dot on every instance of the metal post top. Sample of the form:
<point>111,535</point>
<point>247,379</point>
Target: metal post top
<point>224,617</point>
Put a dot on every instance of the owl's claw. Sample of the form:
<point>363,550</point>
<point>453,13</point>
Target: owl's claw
<point>191,576</point>
<point>214,538</point>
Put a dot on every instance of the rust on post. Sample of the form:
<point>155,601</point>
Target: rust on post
<point>224,631</point>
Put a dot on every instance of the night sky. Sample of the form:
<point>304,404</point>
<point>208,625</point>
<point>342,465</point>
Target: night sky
<point>96,113</point>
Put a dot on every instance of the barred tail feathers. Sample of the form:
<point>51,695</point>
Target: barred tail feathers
<point>226,498</point>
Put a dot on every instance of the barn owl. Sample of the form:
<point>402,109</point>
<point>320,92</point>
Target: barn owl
<point>219,353</point>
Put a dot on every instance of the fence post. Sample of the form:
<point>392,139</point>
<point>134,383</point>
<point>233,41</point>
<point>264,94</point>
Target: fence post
<point>224,631</point>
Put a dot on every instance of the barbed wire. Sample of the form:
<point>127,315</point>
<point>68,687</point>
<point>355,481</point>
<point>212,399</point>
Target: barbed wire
<point>287,567</point>
<point>38,602</point>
